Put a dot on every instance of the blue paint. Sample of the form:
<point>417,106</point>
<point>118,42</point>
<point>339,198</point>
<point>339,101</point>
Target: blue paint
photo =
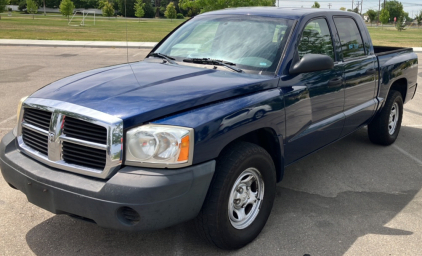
<point>302,113</point>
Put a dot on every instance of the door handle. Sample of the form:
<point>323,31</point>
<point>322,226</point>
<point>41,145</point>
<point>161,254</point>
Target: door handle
<point>370,71</point>
<point>335,82</point>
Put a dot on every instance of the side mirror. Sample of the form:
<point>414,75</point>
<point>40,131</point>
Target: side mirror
<point>311,63</point>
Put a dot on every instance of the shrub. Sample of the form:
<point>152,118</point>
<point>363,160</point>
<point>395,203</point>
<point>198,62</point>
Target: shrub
<point>170,12</point>
<point>180,16</point>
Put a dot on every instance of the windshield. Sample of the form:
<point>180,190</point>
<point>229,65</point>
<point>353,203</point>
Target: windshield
<point>250,42</point>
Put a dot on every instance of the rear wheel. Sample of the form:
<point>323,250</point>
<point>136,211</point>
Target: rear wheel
<point>385,127</point>
<point>240,197</point>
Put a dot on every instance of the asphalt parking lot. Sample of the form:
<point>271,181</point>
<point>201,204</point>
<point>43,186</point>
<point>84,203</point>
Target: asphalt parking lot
<point>350,198</point>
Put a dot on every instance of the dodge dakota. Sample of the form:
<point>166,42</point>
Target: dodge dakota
<point>205,125</point>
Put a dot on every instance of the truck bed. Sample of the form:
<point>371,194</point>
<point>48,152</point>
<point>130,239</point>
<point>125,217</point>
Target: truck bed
<point>396,64</point>
<point>383,50</point>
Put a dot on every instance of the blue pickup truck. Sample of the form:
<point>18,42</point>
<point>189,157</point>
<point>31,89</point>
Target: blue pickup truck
<point>204,127</point>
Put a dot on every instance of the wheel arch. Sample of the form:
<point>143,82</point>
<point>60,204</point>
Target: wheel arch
<point>266,138</point>
<point>400,85</point>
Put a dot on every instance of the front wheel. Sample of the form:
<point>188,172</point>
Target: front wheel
<point>385,127</point>
<point>240,197</point>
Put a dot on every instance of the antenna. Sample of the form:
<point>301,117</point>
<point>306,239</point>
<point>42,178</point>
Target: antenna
<point>127,43</point>
<point>329,6</point>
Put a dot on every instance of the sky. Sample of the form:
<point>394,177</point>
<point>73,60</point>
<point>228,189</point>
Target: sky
<point>408,5</point>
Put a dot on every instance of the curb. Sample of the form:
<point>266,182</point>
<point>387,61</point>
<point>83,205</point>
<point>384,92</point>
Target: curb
<point>82,44</point>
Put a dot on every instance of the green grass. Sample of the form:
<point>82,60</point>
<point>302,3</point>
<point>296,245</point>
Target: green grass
<point>54,27</point>
<point>389,36</point>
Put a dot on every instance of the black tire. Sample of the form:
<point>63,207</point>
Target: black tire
<point>213,222</point>
<point>379,130</point>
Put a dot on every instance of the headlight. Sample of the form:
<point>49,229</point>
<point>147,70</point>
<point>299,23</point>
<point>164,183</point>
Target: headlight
<point>19,108</point>
<point>159,146</point>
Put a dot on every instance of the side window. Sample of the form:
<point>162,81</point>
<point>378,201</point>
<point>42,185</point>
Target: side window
<point>350,38</point>
<point>316,39</point>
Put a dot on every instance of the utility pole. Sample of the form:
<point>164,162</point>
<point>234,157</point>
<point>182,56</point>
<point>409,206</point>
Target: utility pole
<point>352,5</point>
<point>361,4</point>
<point>329,6</point>
<point>379,11</point>
<point>357,6</point>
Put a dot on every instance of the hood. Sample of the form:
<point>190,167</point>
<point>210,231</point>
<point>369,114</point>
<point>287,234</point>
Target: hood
<point>144,91</point>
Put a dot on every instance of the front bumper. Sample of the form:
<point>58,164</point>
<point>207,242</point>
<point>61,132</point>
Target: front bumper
<point>160,197</point>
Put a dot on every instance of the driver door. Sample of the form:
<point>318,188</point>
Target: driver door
<point>314,106</point>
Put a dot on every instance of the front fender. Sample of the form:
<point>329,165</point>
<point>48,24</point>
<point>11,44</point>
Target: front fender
<point>218,124</point>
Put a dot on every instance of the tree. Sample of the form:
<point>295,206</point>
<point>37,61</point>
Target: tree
<point>170,11</point>
<point>394,8</point>
<point>407,17</point>
<point>356,10</point>
<point>107,8</point>
<point>149,10</point>
<point>342,8</point>
<point>372,15</point>
<point>31,7</point>
<point>211,5</point>
<point>418,18</point>
<point>139,9</point>
<point>66,8</point>
<point>3,4</point>
<point>400,24</point>
<point>384,16</point>
<point>316,5</point>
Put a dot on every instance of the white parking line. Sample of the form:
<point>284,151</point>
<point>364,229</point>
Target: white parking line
<point>8,119</point>
<point>407,154</point>
<point>5,129</point>
<point>413,125</point>
<point>137,54</point>
<point>419,93</point>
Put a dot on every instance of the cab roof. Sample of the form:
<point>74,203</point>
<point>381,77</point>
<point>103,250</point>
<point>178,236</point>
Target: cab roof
<point>279,12</point>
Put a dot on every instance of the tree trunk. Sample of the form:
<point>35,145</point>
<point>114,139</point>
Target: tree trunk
<point>157,8</point>
<point>44,7</point>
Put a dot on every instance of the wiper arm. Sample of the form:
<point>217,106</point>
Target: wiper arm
<point>163,56</point>
<point>208,61</point>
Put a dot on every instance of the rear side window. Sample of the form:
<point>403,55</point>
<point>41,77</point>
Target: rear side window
<point>350,38</point>
<point>316,39</point>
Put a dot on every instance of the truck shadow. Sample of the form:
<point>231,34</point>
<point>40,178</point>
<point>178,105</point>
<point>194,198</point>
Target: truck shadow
<point>325,203</point>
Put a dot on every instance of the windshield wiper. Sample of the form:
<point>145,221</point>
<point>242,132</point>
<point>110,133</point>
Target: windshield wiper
<point>208,61</point>
<point>163,56</point>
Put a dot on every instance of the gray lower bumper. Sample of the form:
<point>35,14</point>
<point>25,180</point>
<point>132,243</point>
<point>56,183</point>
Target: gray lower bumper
<point>161,197</point>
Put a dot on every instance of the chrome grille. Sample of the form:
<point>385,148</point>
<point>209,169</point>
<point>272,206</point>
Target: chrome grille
<point>35,140</point>
<point>37,137</point>
<point>38,118</point>
<point>85,156</point>
<point>82,130</point>
<point>71,137</point>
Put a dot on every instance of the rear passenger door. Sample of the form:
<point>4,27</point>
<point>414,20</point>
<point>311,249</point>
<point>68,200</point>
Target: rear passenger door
<point>359,74</point>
